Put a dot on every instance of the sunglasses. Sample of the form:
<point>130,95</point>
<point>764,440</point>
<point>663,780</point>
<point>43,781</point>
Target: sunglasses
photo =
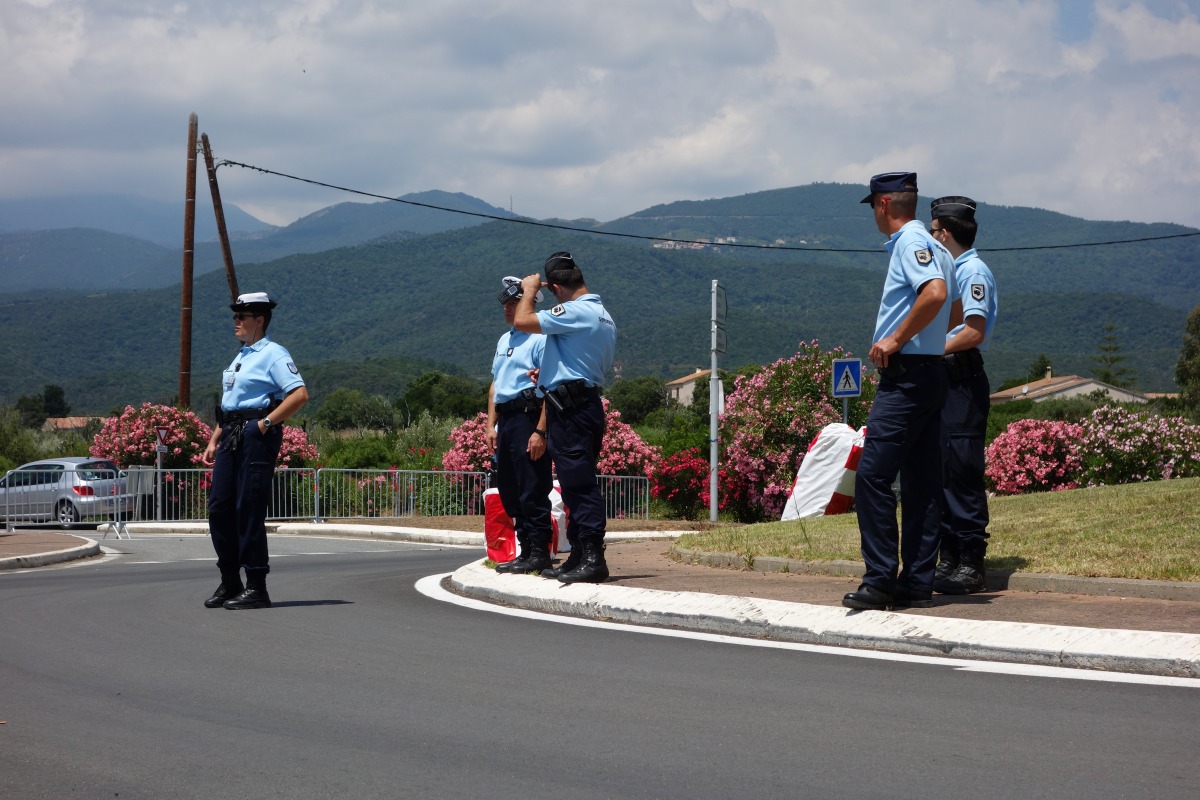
<point>240,317</point>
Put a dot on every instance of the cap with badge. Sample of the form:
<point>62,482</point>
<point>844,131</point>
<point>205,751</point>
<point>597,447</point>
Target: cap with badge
<point>891,182</point>
<point>253,301</point>
<point>953,206</point>
<point>512,291</point>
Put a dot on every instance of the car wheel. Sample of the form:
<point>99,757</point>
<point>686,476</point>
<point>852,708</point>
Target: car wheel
<point>67,514</point>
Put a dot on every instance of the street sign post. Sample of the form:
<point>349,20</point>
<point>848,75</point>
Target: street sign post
<point>847,383</point>
<point>162,432</point>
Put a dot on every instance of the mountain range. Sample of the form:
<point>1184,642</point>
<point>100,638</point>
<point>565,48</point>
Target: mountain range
<point>372,293</point>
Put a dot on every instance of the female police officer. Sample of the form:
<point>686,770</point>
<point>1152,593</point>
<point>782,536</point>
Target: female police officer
<point>261,388</point>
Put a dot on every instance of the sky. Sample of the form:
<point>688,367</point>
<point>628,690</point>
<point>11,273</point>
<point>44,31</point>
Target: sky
<point>601,108</point>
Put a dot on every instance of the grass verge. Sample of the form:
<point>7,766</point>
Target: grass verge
<point>1148,531</point>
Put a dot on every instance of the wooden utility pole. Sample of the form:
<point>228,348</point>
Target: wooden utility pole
<point>219,210</point>
<point>189,244</point>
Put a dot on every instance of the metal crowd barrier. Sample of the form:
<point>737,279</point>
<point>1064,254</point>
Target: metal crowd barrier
<point>326,493</point>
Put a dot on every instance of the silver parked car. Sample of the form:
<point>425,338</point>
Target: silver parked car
<point>65,490</point>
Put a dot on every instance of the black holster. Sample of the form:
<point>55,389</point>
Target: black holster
<point>964,365</point>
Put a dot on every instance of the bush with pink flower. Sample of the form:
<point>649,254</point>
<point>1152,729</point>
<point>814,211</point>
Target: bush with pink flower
<point>771,417</point>
<point>624,452</point>
<point>1035,455</point>
<point>131,437</point>
<point>296,451</point>
<point>1123,446</point>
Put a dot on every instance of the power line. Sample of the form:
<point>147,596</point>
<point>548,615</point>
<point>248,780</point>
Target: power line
<point>593,231</point>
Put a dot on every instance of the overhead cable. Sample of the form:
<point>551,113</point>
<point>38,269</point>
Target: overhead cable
<point>556,226</point>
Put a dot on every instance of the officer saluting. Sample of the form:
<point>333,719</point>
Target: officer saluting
<point>261,388</point>
<point>516,432</point>
<point>580,341</point>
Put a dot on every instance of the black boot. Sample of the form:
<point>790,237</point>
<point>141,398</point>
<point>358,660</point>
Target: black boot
<point>231,587</point>
<point>255,595</point>
<point>537,559</point>
<point>519,563</point>
<point>591,569</point>
<point>970,576</point>
<point>570,564</point>
<point>948,557</point>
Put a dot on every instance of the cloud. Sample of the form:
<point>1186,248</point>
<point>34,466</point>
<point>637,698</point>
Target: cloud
<point>577,108</point>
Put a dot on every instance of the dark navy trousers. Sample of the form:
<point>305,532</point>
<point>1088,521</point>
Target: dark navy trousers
<point>237,501</point>
<point>964,428</point>
<point>904,437</point>
<point>524,484</point>
<point>576,436</point>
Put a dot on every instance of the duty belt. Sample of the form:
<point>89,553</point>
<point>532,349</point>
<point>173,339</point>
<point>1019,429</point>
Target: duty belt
<point>520,405</point>
<point>233,424</point>
<point>964,365</point>
<point>571,394</point>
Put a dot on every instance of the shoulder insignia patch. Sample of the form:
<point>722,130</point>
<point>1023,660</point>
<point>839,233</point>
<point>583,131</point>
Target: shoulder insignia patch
<point>978,291</point>
<point>292,368</point>
<point>509,353</point>
<point>924,256</point>
<point>558,310</point>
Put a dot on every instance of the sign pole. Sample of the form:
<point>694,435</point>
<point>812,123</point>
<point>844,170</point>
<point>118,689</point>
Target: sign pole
<point>719,309</point>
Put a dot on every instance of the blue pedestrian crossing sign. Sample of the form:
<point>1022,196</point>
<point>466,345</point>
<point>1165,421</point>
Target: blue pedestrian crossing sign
<point>847,377</point>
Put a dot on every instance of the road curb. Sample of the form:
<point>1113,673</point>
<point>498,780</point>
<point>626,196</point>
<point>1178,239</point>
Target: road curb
<point>85,550</point>
<point>1141,652</point>
<point>997,580</point>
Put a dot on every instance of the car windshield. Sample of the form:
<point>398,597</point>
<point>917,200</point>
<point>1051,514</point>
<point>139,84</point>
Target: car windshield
<point>97,470</point>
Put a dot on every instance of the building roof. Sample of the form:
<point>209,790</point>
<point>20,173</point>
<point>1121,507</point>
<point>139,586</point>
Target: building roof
<point>68,423</point>
<point>695,376</point>
<point>1060,386</point>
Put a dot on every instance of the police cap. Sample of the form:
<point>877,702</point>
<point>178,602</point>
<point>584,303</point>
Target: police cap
<point>952,206</point>
<point>253,301</point>
<point>889,182</point>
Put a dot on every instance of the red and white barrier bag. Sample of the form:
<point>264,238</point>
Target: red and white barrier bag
<point>825,481</point>
<point>500,536</point>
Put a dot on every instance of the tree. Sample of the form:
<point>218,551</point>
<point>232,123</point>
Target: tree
<point>1187,369</point>
<point>349,409</point>
<point>35,409</point>
<point>637,397</point>
<point>443,395</point>
<point>1108,362</point>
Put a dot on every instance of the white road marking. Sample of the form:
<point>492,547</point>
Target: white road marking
<point>431,586</point>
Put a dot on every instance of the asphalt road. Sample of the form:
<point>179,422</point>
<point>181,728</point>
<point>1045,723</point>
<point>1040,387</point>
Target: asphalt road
<point>116,682</point>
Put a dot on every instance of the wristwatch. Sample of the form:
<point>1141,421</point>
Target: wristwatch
<point>540,432</point>
<point>266,421</point>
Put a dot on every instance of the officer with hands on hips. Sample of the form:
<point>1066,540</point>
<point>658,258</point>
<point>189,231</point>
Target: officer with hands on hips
<point>904,425</point>
<point>261,389</point>
<point>516,433</point>
<point>964,418</point>
<point>580,342</point>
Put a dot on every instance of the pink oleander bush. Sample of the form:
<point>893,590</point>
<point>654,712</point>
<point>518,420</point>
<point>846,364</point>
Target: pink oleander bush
<point>1121,446</point>
<point>1035,455</point>
<point>771,417</point>
<point>624,452</point>
<point>296,451</point>
<point>130,437</point>
<point>469,451</point>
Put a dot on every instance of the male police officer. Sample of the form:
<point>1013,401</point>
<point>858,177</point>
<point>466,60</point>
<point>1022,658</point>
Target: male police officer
<point>516,432</point>
<point>262,388</point>
<point>580,341</point>
<point>904,426</point>
<point>964,418</point>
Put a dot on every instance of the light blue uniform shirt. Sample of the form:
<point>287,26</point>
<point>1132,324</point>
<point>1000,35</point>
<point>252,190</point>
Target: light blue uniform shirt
<point>516,354</point>
<point>581,339</point>
<point>978,290</point>
<point>915,259</point>
<point>261,372</point>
